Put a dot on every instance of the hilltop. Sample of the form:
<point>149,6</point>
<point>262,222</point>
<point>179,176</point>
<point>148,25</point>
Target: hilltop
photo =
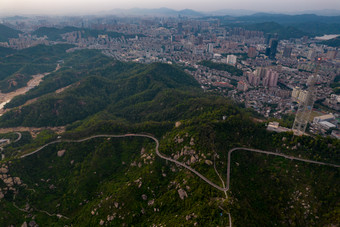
<point>125,90</point>
<point>7,32</point>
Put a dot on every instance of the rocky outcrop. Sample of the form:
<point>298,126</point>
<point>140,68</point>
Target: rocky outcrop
<point>61,153</point>
<point>182,193</point>
<point>8,180</point>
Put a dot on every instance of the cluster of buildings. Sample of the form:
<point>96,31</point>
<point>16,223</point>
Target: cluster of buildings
<point>325,125</point>
<point>275,71</point>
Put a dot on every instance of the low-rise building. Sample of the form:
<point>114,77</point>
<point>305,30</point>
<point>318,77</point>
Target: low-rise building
<point>327,117</point>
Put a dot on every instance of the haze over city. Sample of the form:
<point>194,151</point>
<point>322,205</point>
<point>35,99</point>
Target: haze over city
<point>87,6</point>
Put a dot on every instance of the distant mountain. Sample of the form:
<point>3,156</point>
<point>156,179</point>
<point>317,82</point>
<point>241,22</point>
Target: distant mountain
<point>283,31</point>
<point>315,15</point>
<point>231,12</point>
<point>154,12</point>
<point>53,33</point>
<point>7,32</point>
<point>324,12</point>
<point>189,12</point>
<point>287,26</point>
<point>288,19</point>
<point>319,28</point>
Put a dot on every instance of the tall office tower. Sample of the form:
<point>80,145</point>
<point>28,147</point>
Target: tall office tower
<point>180,28</point>
<point>306,105</point>
<point>252,52</point>
<point>273,47</point>
<point>287,51</point>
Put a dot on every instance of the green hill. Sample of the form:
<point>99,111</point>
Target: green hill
<point>53,33</point>
<point>17,67</point>
<point>123,182</point>
<point>7,32</point>
<point>120,181</point>
<point>284,32</point>
<point>332,42</point>
<point>223,67</point>
<point>4,51</point>
<point>335,85</point>
<point>122,89</point>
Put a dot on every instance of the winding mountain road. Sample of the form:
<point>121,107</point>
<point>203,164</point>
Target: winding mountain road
<point>19,137</point>
<point>224,189</point>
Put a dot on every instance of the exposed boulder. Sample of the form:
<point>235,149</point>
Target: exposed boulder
<point>182,193</point>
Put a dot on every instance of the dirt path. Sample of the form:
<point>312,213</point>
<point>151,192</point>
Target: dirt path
<point>35,81</point>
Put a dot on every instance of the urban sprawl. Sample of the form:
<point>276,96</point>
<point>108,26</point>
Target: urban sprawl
<point>263,72</point>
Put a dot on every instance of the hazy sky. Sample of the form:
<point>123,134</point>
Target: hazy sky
<point>86,6</point>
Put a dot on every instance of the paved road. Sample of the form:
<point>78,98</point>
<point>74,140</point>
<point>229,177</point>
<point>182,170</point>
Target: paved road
<point>89,138</point>
<point>224,189</point>
<point>270,153</point>
<point>130,135</point>
<point>19,137</point>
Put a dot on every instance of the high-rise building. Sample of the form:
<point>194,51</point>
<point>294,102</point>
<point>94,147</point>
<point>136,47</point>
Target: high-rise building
<point>295,93</point>
<point>267,37</point>
<point>305,107</point>
<point>332,54</point>
<point>270,80</point>
<point>211,48</point>
<point>311,54</point>
<point>252,52</point>
<point>271,50</point>
<point>287,51</point>
<point>260,72</point>
<point>253,79</point>
<point>180,28</point>
<point>200,40</point>
<point>231,59</point>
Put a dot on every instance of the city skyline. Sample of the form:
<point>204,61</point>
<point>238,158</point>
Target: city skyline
<point>83,7</point>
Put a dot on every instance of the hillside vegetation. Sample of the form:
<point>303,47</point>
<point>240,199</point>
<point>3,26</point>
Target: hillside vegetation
<point>132,91</point>
<point>222,67</point>
<point>122,182</point>
<point>7,32</point>
<point>332,42</point>
<point>17,67</point>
